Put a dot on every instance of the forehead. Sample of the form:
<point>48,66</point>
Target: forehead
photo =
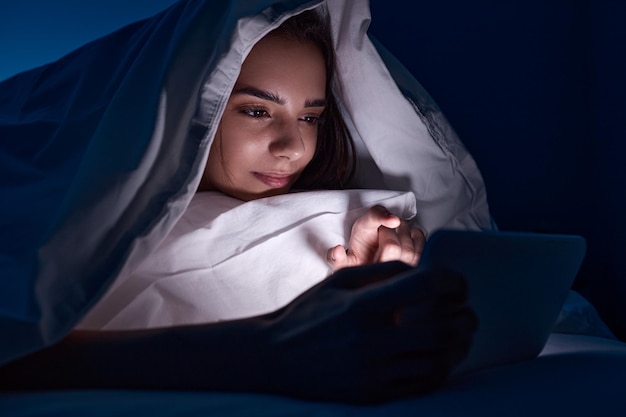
<point>277,60</point>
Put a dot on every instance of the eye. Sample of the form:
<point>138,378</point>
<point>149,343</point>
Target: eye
<point>254,112</point>
<point>312,120</point>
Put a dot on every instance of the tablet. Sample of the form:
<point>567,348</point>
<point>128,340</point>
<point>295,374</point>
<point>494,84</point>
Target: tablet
<point>517,284</point>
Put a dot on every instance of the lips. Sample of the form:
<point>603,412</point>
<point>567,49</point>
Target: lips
<point>274,179</point>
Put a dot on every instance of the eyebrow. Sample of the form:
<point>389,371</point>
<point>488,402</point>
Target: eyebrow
<point>273,97</point>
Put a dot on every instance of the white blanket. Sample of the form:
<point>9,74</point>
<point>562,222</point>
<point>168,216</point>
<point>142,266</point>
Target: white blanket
<point>118,136</point>
<point>227,259</point>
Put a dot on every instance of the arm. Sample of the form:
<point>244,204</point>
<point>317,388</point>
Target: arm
<point>365,334</point>
<point>378,236</point>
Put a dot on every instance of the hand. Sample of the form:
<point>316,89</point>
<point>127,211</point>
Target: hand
<point>378,236</point>
<point>371,333</point>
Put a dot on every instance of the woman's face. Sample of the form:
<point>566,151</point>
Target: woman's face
<point>268,132</point>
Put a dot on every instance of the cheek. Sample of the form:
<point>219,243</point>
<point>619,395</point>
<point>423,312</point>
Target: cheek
<point>310,143</point>
<point>214,163</point>
<point>241,147</point>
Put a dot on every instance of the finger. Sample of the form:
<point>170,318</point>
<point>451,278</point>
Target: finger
<point>363,241</point>
<point>419,240</point>
<point>389,246</point>
<point>398,244</point>
<point>337,258</point>
<point>365,228</point>
<point>379,216</point>
<point>407,243</point>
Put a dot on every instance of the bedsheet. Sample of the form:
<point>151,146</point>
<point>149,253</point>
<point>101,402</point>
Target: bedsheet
<point>576,375</point>
<point>227,259</point>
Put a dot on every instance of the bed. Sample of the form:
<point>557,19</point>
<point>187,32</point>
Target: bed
<point>575,376</point>
<point>129,174</point>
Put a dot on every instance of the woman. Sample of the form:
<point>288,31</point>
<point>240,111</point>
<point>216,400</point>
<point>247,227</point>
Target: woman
<point>287,114</point>
<point>280,129</point>
<point>379,332</point>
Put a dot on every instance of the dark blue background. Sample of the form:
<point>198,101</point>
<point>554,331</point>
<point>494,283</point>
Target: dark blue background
<point>535,89</point>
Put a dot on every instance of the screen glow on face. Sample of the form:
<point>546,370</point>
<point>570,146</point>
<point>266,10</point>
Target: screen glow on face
<point>268,132</point>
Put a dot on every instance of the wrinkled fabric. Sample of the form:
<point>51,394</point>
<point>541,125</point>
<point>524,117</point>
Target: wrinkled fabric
<point>101,151</point>
<point>227,259</point>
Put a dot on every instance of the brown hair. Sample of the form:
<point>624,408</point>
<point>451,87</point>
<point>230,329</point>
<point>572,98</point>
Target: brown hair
<point>334,161</point>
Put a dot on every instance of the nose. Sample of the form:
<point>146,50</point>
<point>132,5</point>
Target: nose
<point>287,142</point>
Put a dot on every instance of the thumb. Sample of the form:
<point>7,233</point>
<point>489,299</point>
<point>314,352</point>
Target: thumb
<point>337,258</point>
